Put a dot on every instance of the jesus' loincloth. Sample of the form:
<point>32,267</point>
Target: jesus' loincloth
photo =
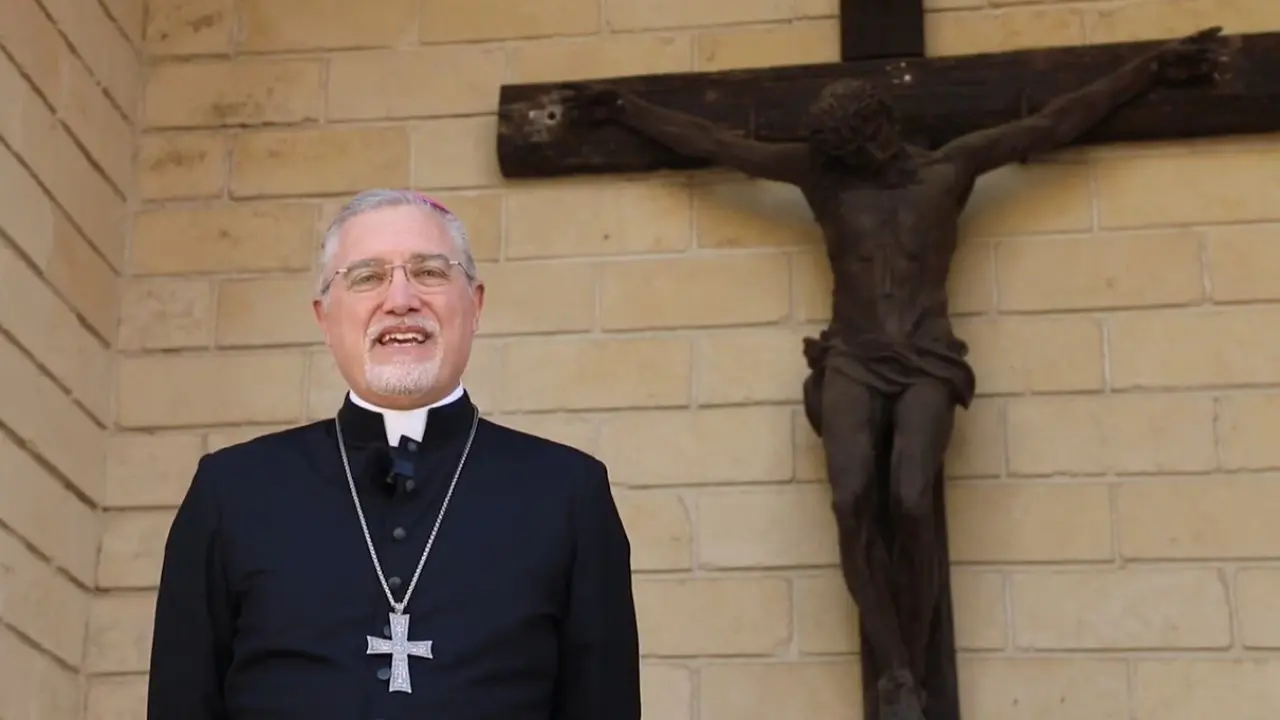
<point>888,367</point>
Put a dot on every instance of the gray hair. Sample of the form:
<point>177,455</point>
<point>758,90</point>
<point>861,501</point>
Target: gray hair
<point>377,199</point>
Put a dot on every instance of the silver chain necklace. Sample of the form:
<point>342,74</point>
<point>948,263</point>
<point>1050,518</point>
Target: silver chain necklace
<point>399,647</point>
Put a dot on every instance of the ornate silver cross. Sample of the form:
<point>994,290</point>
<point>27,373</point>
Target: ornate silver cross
<point>399,647</point>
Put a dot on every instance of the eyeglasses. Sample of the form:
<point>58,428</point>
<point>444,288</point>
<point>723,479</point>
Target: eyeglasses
<point>429,271</point>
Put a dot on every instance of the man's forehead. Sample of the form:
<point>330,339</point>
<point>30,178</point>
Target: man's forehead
<point>404,229</point>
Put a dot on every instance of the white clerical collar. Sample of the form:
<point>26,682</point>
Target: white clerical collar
<point>408,423</point>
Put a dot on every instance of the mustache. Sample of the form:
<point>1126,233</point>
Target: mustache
<point>430,327</point>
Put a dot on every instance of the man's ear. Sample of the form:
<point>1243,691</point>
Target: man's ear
<point>321,312</point>
<point>477,291</point>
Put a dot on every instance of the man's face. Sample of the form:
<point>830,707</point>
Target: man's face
<point>401,336</point>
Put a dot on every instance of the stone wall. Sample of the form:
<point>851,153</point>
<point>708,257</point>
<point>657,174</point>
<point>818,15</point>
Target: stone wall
<point>1115,553</point>
<point>69,92</point>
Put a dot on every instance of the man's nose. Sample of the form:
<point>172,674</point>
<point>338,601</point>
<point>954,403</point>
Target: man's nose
<point>402,296</point>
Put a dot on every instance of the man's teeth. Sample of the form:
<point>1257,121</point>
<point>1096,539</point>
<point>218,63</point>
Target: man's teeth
<point>402,339</point>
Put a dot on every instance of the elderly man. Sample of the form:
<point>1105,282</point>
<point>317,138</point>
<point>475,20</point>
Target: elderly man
<point>406,559</point>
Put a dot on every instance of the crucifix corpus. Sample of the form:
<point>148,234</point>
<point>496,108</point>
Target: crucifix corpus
<point>886,148</point>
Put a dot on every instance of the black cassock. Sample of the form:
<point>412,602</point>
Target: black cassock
<point>268,591</point>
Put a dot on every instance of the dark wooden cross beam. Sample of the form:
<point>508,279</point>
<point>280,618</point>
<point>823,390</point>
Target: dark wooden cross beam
<point>937,100</point>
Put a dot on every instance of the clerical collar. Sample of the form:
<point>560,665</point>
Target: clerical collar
<point>361,419</point>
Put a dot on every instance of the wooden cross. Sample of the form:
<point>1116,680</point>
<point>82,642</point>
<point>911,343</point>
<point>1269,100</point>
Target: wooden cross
<point>937,100</point>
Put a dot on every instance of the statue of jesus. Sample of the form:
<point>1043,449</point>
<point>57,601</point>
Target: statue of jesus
<point>889,363</point>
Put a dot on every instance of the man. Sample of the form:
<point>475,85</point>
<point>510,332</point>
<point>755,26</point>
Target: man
<point>406,559</point>
<point>888,373</point>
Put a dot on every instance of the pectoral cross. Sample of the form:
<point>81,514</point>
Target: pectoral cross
<point>399,647</point>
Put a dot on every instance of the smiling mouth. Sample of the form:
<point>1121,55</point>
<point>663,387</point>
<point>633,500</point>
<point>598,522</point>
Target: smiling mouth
<point>402,338</point>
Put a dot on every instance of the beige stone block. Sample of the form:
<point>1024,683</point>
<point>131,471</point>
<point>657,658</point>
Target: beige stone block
<point>228,437</point>
<point>107,52</point>
<point>628,15</point>
<point>826,615</point>
<point>116,697</point>
<point>41,603</point>
<point>1020,522</point>
<point>326,388</point>
<point>565,292</point>
<point>482,215</point>
<point>978,604</point>
<point>319,160</point>
<point>33,684</point>
<point>766,527</point>
<point>830,690</point>
<point>604,56</point>
<point>37,507</point>
<point>106,134</point>
<point>1246,428</point>
<point>1214,517</point>
<point>182,165</point>
<point>36,136</point>
<point>26,213</point>
<point>1187,188</point>
<point>150,469</point>
<point>977,446</point>
<point>84,279</point>
<point>1040,354</point>
<point>1132,609</point>
<point>971,286</point>
<point>418,82</point>
<point>39,321</point>
<point>795,43</point>
<point>133,548</point>
<point>192,390</point>
<point>583,373</point>
<point>456,21</point>
<point>704,291</point>
<point>129,15</point>
<point>1257,598</point>
<point>666,691</point>
<point>224,238</point>
<point>272,310</point>
<point>189,27</point>
<point>660,528</point>
<point>742,214</point>
<point>33,42</point>
<point>1192,689</point>
<point>751,365</point>
<point>120,629</point>
<point>244,91</point>
<point>572,429</point>
<point>166,313</point>
<point>60,432</point>
<point>1214,347</point>
<point>1107,271</point>
<point>1041,197</point>
<point>1239,260</point>
<point>698,447</point>
<point>1162,19</point>
<point>456,153</point>
<point>594,219</point>
<point>713,616</point>
<point>978,31</point>
<point>1043,688</point>
<point>296,25</point>
<point>1099,434</point>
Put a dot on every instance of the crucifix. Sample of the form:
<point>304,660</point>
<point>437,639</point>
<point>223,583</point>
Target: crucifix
<point>886,147</point>
<point>400,648</point>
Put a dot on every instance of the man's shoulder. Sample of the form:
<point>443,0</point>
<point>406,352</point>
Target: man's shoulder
<point>265,449</point>
<point>530,450</point>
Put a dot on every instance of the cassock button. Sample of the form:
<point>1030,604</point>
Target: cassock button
<point>411,445</point>
<point>398,533</point>
<point>386,631</point>
<point>409,485</point>
<point>393,582</point>
<point>384,673</point>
